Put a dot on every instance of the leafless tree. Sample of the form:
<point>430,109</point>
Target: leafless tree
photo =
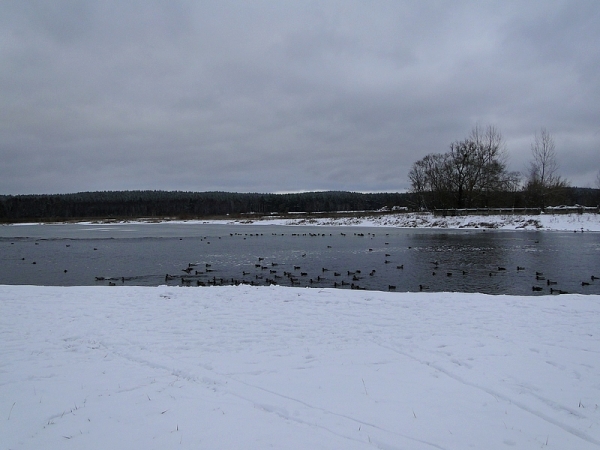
<point>544,185</point>
<point>469,175</point>
<point>543,167</point>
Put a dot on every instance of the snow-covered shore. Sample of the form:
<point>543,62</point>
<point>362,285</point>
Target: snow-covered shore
<point>548,222</point>
<point>274,367</point>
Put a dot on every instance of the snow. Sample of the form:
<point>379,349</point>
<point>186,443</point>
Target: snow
<point>588,221</point>
<point>548,222</point>
<point>288,368</point>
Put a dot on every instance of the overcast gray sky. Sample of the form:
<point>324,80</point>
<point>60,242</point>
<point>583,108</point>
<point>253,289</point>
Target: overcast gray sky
<point>284,96</point>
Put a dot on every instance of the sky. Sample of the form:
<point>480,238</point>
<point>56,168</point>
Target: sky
<point>271,96</point>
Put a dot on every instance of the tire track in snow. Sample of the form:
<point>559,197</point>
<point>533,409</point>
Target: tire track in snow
<point>343,416</point>
<point>279,411</point>
<point>522,406</point>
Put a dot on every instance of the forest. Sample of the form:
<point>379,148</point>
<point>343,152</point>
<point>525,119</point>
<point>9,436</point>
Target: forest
<point>186,205</point>
<point>190,205</point>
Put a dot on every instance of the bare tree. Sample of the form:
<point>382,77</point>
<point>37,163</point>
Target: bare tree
<point>544,185</point>
<point>543,167</point>
<point>420,182</point>
<point>598,180</point>
<point>430,181</point>
<point>469,175</point>
<point>493,160</point>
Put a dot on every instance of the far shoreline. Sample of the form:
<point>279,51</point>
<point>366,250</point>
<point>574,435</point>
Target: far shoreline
<point>574,222</point>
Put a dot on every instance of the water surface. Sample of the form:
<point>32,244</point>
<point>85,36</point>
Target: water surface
<point>493,262</point>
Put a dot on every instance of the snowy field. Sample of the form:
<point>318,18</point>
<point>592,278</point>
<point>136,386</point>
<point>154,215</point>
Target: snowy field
<point>284,368</point>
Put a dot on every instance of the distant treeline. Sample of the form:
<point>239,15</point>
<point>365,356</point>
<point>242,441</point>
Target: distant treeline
<point>185,205</point>
<point>126,204</point>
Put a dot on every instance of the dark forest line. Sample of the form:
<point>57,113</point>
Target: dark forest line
<point>187,205</point>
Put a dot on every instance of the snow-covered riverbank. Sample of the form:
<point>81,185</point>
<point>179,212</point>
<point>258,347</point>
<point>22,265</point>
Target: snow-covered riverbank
<point>554,222</point>
<point>548,222</point>
<point>288,368</point>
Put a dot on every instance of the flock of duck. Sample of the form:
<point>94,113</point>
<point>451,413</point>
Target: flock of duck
<point>539,277</point>
<point>270,273</point>
<point>274,273</point>
<point>265,272</point>
<point>291,272</point>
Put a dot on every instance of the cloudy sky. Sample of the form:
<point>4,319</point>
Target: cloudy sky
<point>286,96</point>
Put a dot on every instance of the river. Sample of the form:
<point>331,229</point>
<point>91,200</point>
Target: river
<point>492,262</point>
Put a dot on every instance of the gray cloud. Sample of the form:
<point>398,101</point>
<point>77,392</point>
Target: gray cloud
<point>272,96</point>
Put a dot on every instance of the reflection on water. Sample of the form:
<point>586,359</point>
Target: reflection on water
<point>494,262</point>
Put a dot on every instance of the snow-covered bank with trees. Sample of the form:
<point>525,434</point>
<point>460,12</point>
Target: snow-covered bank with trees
<point>554,222</point>
<point>288,368</point>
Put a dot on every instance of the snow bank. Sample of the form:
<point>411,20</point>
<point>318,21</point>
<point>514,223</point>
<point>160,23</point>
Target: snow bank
<point>554,222</point>
<point>548,222</point>
<point>274,367</point>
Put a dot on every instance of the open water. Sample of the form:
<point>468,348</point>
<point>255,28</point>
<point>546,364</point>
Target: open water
<point>492,262</point>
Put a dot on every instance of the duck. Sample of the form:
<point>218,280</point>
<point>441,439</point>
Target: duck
<point>557,291</point>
